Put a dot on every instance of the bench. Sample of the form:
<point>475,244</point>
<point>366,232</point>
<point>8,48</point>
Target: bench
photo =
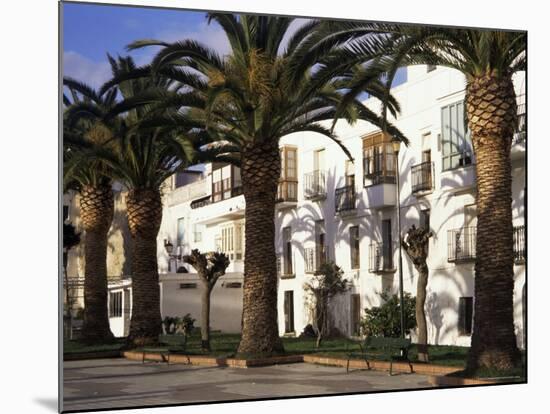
<point>173,344</point>
<point>394,349</point>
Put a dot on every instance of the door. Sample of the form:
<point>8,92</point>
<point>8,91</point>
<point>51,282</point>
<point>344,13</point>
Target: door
<point>387,245</point>
<point>355,314</point>
<point>289,311</point>
<point>320,247</point>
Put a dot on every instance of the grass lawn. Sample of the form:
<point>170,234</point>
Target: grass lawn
<point>77,347</point>
<point>225,345</point>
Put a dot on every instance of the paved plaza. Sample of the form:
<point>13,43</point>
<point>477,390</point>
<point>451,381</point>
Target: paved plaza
<point>107,383</point>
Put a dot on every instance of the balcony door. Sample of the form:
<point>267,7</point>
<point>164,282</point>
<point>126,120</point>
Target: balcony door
<point>387,252</point>
<point>320,243</point>
<point>319,160</point>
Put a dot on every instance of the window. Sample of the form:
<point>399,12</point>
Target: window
<point>387,251</point>
<point>355,314</point>
<point>430,68</point>
<point>233,285</point>
<point>188,285</point>
<point>354,247</point>
<point>457,147</point>
<point>378,160</point>
<point>65,212</point>
<point>226,182</point>
<point>115,304</point>
<point>181,230</point>
<point>289,311</point>
<point>319,160</point>
<point>288,184</point>
<point>231,240</point>
<point>350,174</point>
<point>320,247</point>
<point>287,251</point>
<point>465,315</point>
<point>425,218</point>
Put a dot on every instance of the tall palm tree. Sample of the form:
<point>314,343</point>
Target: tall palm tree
<point>144,157</point>
<point>246,102</point>
<point>90,178</point>
<point>488,59</point>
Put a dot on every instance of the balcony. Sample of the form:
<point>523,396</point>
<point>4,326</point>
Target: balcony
<point>461,244</point>
<point>381,258</point>
<point>287,194</point>
<point>315,185</point>
<point>345,200</point>
<point>520,137</point>
<point>188,192</point>
<point>520,253</point>
<point>422,178</point>
<point>379,180</point>
<point>314,258</point>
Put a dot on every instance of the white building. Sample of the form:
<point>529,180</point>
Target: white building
<point>331,208</point>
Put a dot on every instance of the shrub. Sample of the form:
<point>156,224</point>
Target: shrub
<point>385,320</point>
<point>179,325</point>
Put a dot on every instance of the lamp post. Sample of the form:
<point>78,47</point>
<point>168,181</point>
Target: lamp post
<point>169,247</point>
<point>396,144</point>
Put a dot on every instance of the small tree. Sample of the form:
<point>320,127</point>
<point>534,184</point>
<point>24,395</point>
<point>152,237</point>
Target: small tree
<point>415,244</point>
<point>326,283</point>
<point>210,267</point>
<point>70,239</point>
<point>384,320</point>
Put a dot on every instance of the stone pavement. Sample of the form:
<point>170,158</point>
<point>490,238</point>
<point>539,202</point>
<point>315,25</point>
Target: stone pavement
<point>110,383</point>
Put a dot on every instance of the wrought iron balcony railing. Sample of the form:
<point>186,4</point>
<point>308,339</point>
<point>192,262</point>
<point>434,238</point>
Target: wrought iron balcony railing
<point>344,199</point>
<point>520,252</point>
<point>422,177</point>
<point>379,169</point>
<point>314,257</point>
<point>381,257</point>
<point>315,184</point>
<point>461,244</point>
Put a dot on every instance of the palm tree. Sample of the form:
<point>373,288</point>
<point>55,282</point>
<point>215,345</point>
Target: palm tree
<point>90,178</point>
<point>246,102</point>
<point>142,161</point>
<point>488,59</point>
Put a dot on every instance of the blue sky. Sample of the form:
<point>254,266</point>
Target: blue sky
<point>90,31</point>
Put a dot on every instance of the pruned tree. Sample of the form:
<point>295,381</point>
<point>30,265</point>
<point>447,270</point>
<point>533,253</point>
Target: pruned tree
<point>416,243</point>
<point>210,267</point>
<point>326,283</point>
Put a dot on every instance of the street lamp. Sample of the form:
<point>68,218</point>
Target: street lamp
<point>169,247</point>
<point>396,144</point>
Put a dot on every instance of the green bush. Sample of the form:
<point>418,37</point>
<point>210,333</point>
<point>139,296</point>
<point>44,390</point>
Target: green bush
<point>385,320</point>
<point>178,324</point>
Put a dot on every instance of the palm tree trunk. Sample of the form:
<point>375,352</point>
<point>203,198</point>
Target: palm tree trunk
<point>420,313</point>
<point>491,108</point>
<point>260,171</point>
<point>96,210</point>
<point>205,317</point>
<point>144,216</point>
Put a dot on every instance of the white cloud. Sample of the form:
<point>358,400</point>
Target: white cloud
<point>86,70</point>
<point>211,35</point>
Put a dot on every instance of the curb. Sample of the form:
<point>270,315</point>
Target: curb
<point>456,381</point>
<point>212,361</point>
<point>354,364</point>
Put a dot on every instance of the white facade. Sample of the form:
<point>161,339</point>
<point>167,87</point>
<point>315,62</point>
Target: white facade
<point>201,215</point>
